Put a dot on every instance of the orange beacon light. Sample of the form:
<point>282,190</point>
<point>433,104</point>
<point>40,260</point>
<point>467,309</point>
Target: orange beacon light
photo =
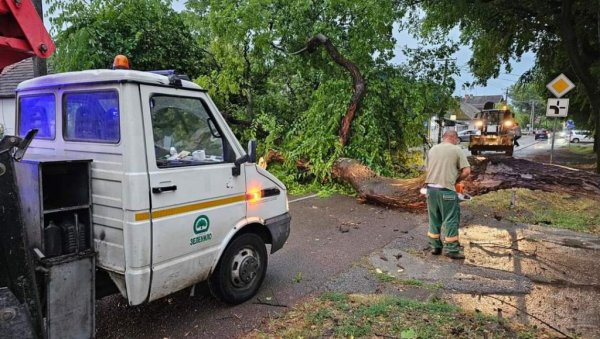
<point>121,62</point>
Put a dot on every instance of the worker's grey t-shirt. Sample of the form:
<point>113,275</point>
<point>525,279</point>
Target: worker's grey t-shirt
<point>444,162</point>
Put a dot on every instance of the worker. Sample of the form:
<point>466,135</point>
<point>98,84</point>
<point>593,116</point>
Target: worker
<point>447,166</point>
<point>516,132</point>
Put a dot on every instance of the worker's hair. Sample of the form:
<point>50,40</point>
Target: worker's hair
<point>450,134</point>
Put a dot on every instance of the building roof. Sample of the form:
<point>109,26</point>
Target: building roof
<point>479,101</point>
<point>464,112</point>
<point>14,74</point>
<point>101,76</point>
<point>468,110</point>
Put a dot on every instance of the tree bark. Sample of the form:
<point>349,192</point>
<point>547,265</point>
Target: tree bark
<point>402,194</point>
<point>359,86</point>
<point>487,174</point>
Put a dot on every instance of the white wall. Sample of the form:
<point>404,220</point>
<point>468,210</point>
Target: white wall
<point>7,115</point>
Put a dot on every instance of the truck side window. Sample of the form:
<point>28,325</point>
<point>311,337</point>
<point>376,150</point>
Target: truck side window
<point>38,111</point>
<point>91,117</point>
<point>182,135</point>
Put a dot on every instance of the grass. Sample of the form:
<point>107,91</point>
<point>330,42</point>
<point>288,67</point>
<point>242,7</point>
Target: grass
<point>583,149</point>
<point>366,316</point>
<point>557,210</point>
<point>388,278</point>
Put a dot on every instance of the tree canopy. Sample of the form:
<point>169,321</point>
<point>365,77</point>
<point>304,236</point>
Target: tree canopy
<point>89,34</point>
<point>295,101</point>
<point>247,54</point>
<point>563,34</point>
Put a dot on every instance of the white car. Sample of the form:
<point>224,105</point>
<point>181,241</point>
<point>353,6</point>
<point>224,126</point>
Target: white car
<point>577,136</point>
<point>465,135</point>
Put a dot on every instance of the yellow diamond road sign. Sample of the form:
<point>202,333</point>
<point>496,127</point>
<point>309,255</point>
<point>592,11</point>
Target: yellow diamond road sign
<point>560,86</point>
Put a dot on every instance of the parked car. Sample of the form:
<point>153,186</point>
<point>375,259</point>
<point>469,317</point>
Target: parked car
<point>465,135</point>
<point>541,134</point>
<point>564,133</point>
<point>580,136</point>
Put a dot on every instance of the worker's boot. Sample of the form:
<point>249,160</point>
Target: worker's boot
<point>453,250</point>
<point>455,255</point>
<point>436,250</point>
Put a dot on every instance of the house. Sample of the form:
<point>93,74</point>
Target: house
<point>462,117</point>
<point>471,105</point>
<point>10,77</point>
<point>480,101</point>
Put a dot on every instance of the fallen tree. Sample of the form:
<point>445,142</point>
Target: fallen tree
<point>487,174</point>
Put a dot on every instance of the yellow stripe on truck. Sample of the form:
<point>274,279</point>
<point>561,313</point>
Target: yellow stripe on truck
<point>189,208</point>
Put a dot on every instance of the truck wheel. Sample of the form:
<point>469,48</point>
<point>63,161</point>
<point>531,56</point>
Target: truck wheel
<point>575,140</point>
<point>241,269</point>
<point>509,153</point>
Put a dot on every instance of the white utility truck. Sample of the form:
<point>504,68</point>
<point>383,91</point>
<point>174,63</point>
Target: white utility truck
<point>175,199</point>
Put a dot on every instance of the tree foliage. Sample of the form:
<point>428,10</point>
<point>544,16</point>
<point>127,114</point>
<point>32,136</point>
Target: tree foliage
<point>242,52</point>
<point>563,34</point>
<point>296,101</point>
<point>89,34</point>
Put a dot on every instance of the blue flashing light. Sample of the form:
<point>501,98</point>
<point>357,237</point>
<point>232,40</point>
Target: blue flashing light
<point>37,111</point>
<point>165,72</point>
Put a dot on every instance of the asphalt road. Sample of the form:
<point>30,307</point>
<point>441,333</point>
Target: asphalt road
<point>328,236</point>
<point>527,146</point>
<point>316,253</point>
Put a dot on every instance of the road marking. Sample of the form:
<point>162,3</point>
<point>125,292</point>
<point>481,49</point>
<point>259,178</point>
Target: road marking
<point>303,198</point>
<point>524,147</point>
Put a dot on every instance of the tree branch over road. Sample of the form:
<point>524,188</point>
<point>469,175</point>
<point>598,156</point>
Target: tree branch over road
<point>359,86</point>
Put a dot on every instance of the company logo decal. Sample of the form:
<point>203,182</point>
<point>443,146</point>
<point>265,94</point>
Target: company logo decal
<point>201,226</point>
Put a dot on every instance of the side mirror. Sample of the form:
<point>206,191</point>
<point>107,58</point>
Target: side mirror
<point>252,150</point>
<point>235,171</point>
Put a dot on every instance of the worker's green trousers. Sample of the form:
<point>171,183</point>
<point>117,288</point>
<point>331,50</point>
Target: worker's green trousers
<point>444,210</point>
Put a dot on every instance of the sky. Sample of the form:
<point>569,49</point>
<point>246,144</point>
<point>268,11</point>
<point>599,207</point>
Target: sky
<point>494,87</point>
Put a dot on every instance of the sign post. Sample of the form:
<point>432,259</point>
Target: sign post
<point>558,107</point>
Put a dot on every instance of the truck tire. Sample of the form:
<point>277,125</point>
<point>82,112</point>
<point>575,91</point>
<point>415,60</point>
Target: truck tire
<point>241,270</point>
<point>575,140</point>
<point>509,153</point>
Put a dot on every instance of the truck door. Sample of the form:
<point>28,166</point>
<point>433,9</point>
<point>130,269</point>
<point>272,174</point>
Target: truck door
<point>195,199</point>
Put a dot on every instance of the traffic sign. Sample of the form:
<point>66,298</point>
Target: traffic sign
<point>560,85</point>
<point>570,124</point>
<point>557,108</point>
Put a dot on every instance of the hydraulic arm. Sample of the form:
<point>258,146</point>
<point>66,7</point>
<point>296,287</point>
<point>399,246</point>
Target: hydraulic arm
<point>22,33</point>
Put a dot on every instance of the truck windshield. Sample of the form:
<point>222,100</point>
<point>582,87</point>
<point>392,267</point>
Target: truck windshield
<point>38,111</point>
<point>183,132</point>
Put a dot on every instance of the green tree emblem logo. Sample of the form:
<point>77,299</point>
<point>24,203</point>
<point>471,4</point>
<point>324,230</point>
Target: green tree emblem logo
<point>201,224</point>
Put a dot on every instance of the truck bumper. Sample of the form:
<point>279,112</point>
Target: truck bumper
<point>279,227</point>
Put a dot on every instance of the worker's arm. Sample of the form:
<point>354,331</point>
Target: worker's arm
<point>464,173</point>
<point>463,164</point>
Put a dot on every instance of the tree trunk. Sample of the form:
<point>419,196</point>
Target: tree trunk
<point>398,193</point>
<point>487,174</point>
<point>580,65</point>
<point>359,86</point>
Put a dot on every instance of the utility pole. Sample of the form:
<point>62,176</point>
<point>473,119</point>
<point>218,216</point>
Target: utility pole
<point>40,67</point>
<point>441,114</point>
<point>532,116</point>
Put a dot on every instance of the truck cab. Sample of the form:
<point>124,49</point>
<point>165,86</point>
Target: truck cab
<point>174,199</point>
<point>495,126</point>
